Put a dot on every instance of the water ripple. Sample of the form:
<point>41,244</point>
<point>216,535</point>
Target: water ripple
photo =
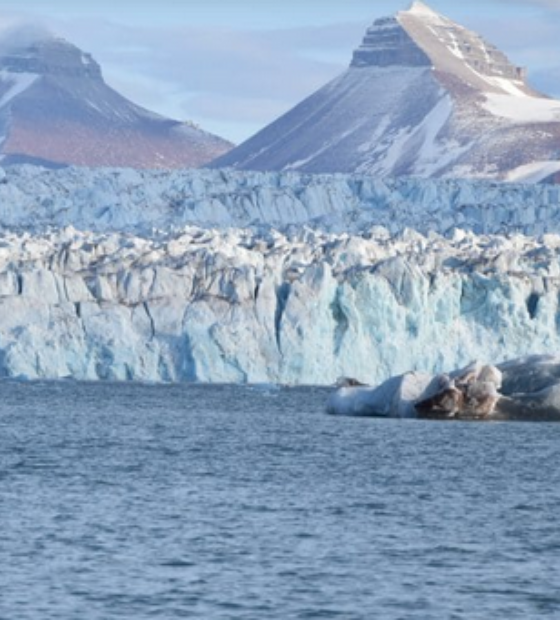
<point>132,501</point>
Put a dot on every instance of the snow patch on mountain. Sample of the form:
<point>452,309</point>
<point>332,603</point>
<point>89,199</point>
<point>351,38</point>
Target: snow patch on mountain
<point>511,87</point>
<point>13,84</point>
<point>523,109</point>
<point>534,173</point>
<point>422,10</point>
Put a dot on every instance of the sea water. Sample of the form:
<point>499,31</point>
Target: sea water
<point>139,501</point>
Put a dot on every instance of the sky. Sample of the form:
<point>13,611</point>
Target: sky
<point>232,66</point>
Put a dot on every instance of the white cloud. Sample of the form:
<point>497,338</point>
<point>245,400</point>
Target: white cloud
<point>16,32</point>
<point>553,5</point>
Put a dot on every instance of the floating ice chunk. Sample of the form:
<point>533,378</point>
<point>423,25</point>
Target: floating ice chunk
<point>530,391</point>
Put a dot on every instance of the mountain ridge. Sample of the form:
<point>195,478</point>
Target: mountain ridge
<point>56,110</point>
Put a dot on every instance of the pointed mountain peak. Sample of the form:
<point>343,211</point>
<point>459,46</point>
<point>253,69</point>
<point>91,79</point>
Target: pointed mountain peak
<point>459,52</point>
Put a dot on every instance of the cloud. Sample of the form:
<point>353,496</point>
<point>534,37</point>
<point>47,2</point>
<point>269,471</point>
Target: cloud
<point>18,33</point>
<point>552,5</point>
<point>253,63</point>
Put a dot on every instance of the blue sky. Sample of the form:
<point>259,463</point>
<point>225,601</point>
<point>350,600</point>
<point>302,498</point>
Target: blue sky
<point>233,67</point>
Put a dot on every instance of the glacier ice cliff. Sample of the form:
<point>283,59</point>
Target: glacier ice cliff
<point>303,305</point>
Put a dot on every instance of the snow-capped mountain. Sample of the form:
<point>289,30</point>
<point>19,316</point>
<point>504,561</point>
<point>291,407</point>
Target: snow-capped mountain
<point>56,109</point>
<point>424,97</point>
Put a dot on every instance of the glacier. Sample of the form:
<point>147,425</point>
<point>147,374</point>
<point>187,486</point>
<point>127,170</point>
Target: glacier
<point>221,276</point>
<point>145,201</point>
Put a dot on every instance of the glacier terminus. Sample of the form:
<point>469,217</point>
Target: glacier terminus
<point>224,276</point>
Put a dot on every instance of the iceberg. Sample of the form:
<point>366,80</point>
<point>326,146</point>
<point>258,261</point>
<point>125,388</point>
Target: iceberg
<point>526,389</point>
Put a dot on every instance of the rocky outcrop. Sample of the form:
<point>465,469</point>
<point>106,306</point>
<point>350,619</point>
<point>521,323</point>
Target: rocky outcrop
<point>388,44</point>
<point>54,57</point>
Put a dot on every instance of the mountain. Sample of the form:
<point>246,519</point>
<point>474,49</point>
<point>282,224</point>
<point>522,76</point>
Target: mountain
<point>56,109</point>
<point>423,96</point>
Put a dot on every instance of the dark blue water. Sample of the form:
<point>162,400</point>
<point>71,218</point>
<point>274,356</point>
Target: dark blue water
<point>127,501</point>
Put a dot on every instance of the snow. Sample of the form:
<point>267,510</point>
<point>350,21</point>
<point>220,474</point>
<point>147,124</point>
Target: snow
<point>430,152</point>
<point>454,46</point>
<point>511,87</point>
<point>325,147</point>
<point>93,105</point>
<point>523,110</point>
<point>535,172</point>
<point>424,12</point>
<point>17,83</point>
